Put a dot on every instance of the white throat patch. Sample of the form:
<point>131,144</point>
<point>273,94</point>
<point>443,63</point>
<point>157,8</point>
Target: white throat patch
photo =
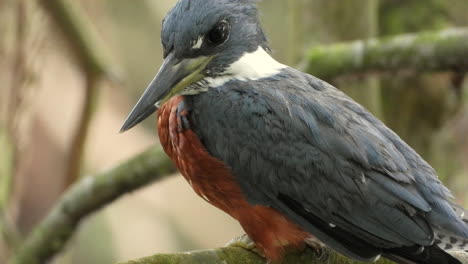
<point>251,66</point>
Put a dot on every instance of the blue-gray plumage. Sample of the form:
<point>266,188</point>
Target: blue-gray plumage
<point>203,15</point>
<point>295,136</point>
<point>293,143</point>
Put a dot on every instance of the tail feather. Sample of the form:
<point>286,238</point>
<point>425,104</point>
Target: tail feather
<point>453,242</point>
<point>420,255</point>
<point>445,243</point>
<point>450,242</point>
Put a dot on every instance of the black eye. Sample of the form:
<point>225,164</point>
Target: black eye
<point>219,34</point>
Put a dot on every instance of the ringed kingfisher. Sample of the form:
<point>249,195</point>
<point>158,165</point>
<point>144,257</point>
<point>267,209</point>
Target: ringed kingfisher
<point>293,159</point>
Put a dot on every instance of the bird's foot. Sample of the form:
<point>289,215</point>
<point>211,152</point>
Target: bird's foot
<point>245,242</point>
<point>316,246</point>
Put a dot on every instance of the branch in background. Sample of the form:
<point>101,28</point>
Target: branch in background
<point>6,170</point>
<point>87,196</point>
<point>20,44</point>
<point>81,36</point>
<point>11,115</point>
<point>444,50</point>
<point>90,52</point>
<point>78,142</point>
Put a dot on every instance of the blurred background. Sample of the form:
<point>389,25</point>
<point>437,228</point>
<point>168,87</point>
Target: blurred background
<point>59,119</point>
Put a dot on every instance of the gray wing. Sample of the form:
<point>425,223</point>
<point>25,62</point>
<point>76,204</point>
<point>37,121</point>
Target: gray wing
<point>318,157</point>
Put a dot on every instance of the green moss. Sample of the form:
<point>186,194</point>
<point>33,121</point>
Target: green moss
<point>422,52</point>
<point>237,255</point>
<point>327,62</point>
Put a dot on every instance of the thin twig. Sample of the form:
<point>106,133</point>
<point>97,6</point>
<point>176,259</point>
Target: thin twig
<point>90,53</point>
<point>14,115</point>
<point>77,146</point>
<point>81,36</point>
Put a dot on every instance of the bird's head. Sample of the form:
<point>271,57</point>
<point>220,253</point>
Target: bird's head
<point>206,44</point>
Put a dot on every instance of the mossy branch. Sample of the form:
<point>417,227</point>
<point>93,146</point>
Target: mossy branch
<point>87,196</point>
<point>238,255</point>
<point>445,50</point>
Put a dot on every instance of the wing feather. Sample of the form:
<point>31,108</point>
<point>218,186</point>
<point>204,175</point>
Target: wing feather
<point>310,144</point>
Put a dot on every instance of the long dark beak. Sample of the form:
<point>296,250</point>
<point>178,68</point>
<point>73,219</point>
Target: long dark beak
<point>173,76</point>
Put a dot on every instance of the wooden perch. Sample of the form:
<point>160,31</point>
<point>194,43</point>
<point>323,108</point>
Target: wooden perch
<point>87,196</point>
<point>445,50</point>
<point>238,255</point>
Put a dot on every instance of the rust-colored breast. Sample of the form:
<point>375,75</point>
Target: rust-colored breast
<point>214,182</point>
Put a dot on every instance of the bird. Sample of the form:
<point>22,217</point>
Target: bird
<point>292,158</point>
